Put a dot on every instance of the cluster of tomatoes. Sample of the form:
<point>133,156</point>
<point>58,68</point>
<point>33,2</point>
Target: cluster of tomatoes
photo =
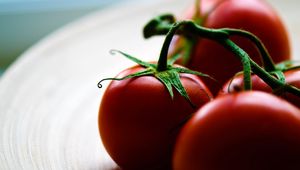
<point>164,116</point>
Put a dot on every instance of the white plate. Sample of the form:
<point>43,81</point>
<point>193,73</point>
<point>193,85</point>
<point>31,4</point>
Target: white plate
<point>49,97</point>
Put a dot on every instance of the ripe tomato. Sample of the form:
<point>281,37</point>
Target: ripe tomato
<point>292,78</point>
<point>255,16</point>
<point>247,130</point>
<point>139,121</point>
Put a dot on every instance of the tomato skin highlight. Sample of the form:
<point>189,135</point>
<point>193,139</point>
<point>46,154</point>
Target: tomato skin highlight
<point>139,121</point>
<point>292,77</point>
<point>255,16</point>
<point>247,130</point>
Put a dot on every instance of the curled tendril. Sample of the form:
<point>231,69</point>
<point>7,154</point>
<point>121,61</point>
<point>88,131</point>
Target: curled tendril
<point>137,74</point>
<point>100,85</point>
<point>114,52</point>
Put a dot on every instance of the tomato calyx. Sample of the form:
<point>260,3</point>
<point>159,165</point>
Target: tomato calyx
<point>165,70</point>
<point>170,77</point>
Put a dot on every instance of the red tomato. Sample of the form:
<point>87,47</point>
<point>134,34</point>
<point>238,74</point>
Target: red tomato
<point>139,121</point>
<point>247,130</point>
<point>255,16</point>
<point>292,78</point>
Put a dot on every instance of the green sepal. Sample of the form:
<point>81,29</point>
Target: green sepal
<point>284,65</point>
<point>134,59</point>
<point>188,71</point>
<point>137,74</point>
<point>164,77</point>
<point>173,59</point>
<point>169,77</point>
<point>287,65</point>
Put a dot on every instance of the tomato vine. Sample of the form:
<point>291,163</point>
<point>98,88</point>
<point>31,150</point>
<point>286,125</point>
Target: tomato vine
<point>154,27</point>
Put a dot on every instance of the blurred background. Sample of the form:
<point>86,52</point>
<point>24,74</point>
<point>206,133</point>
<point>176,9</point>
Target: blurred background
<point>24,22</point>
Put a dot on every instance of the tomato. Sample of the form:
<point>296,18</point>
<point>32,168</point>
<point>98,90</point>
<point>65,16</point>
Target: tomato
<point>255,16</point>
<point>292,78</point>
<point>247,130</point>
<point>139,121</point>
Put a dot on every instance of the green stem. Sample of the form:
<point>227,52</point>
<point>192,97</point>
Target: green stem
<point>267,61</point>
<point>188,28</point>
<point>222,36</point>
<point>271,81</point>
<point>293,90</point>
<point>244,58</point>
<point>266,58</point>
<point>163,58</point>
<point>185,26</point>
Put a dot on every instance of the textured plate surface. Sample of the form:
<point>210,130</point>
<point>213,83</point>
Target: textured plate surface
<point>49,97</point>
